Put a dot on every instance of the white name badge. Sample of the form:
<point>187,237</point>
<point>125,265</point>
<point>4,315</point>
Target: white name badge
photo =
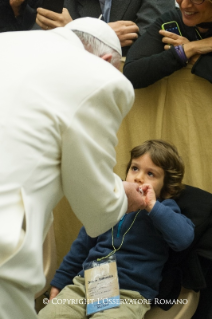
<point>101,284</point>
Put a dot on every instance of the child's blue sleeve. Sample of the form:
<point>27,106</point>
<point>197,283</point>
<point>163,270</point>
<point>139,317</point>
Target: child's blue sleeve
<point>72,262</point>
<point>177,229</point>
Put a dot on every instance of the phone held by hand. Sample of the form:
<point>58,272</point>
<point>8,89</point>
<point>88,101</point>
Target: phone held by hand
<point>171,26</point>
<point>53,5</point>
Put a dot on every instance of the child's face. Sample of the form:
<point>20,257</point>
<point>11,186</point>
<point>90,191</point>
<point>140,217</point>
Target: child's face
<point>144,171</point>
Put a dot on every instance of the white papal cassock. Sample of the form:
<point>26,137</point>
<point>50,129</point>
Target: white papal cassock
<point>60,109</point>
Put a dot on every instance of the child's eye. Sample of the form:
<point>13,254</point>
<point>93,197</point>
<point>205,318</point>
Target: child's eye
<point>134,168</point>
<point>150,174</point>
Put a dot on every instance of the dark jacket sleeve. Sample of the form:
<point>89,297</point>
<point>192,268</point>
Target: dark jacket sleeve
<point>26,19</point>
<point>190,268</point>
<point>72,262</point>
<point>7,18</point>
<point>203,67</point>
<point>147,61</point>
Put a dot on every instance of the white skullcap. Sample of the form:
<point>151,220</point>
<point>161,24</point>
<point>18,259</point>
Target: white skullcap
<point>97,28</point>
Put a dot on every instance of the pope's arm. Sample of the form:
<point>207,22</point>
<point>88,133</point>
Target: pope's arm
<point>94,192</point>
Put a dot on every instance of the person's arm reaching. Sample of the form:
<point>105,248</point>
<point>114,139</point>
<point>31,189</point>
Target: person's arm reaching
<point>126,31</point>
<point>153,56</point>
<point>147,61</point>
<point>198,53</point>
<point>96,194</point>
<point>149,11</point>
<point>135,200</point>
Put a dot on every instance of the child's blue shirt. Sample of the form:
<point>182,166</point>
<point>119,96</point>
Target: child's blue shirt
<point>145,249</point>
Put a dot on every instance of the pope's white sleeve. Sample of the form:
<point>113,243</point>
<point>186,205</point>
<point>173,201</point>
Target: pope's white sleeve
<point>94,192</point>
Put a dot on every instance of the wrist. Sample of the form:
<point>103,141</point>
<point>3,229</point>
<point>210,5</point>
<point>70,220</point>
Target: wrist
<point>181,53</point>
<point>189,49</point>
<point>150,206</point>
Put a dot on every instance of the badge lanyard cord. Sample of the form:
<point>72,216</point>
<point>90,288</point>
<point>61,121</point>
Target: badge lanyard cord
<point>197,31</point>
<point>116,249</point>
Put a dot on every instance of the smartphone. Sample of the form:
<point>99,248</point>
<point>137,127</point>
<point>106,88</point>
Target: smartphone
<point>172,26</point>
<point>53,5</point>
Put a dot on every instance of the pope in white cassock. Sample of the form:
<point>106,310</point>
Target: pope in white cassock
<point>60,110</point>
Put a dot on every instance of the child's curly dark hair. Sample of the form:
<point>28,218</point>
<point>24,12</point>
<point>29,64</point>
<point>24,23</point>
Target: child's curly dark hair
<point>166,156</point>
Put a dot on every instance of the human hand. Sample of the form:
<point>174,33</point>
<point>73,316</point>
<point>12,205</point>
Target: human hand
<point>149,196</point>
<point>16,6</point>
<point>126,31</point>
<point>202,46</point>
<point>53,293</point>
<point>170,38</point>
<point>135,198</point>
<point>195,49</point>
<point>47,19</point>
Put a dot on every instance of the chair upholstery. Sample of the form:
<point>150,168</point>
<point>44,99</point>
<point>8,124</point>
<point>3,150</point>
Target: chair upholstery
<point>189,299</point>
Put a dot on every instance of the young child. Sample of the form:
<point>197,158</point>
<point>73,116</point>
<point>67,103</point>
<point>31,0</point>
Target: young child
<point>141,240</point>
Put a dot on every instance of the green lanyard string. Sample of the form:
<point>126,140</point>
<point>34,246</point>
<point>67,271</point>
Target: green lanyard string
<point>114,248</point>
<point>197,31</point>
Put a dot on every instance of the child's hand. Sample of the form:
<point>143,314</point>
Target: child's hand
<point>53,293</point>
<point>149,196</point>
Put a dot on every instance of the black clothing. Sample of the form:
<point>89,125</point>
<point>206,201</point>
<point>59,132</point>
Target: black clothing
<point>26,19</point>
<point>148,62</point>
<point>192,268</point>
<point>142,12</point>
